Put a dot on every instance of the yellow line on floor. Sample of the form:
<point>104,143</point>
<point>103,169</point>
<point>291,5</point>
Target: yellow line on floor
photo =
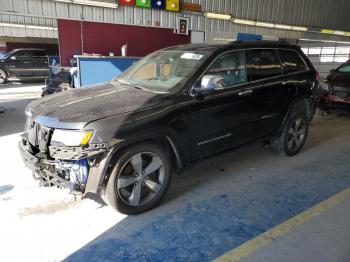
<point>264,239</point>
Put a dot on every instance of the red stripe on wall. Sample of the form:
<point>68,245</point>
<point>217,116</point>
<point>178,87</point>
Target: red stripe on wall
<point>102,38</point>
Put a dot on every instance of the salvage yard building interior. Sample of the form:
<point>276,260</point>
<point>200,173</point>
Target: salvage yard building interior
<point>232,143</point>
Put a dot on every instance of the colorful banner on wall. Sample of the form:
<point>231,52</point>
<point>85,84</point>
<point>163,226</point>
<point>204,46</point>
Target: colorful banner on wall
<point>169,5</point>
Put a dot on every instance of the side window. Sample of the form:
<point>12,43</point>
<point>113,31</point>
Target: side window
<point>344,68</point>
<point>21,55</point>
<point>39,54</point>
<point>231,67</point>
<point>292,61</point>
<point>263,63</point>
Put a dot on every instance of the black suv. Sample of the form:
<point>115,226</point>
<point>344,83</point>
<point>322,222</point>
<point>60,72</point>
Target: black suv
<point>176,106</point>
<point>23,64</point>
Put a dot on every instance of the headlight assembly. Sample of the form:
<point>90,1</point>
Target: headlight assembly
<point>71,138</point>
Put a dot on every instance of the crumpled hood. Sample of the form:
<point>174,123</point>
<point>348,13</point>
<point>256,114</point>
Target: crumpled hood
<point>84,105</point>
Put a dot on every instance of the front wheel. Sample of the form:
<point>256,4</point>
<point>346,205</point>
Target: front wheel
<point>3,76</point>
<point>139,179</point>
<point>293,135</point>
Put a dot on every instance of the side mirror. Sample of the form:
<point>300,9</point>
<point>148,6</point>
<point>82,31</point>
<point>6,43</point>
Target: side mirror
<point>210,83</point>
<point>332,71</point>
<point>13,58</point>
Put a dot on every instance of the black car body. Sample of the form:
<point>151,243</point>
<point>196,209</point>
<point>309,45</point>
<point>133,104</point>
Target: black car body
<point>174,107</point>
<point>336,94</point>
<point>24,64</point>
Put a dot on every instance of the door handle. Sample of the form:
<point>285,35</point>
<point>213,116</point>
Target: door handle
<point>245,93</point>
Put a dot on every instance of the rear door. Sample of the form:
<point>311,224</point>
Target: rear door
<point>40,63</point>
<point>269,98</point>
<point>223,118</point>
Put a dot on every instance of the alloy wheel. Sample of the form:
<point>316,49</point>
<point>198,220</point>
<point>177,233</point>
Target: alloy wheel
<point>3,76</point>
<point>140,179</point>
<point>296,135</point>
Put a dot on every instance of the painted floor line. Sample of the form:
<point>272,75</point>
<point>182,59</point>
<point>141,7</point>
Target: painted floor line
<point>264,239</point>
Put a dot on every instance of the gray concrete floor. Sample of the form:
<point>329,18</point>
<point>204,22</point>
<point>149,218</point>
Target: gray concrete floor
<point>324,238</point>
<point>50,225</point>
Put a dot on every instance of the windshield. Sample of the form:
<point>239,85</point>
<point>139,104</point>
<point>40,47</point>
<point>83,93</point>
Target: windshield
<point>9,54</point>
<point>163,71</point>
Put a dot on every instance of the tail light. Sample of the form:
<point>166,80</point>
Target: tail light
<point>318,77</point>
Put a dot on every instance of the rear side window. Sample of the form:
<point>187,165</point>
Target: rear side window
<point>291,61</point>
<point>231,67</point>
<point>39,54</point>
<point>263,63</point>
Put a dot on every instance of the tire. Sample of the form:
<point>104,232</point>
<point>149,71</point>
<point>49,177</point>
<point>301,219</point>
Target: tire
<point>293,135</point>
<point>3,76</point>
<point>133,188</point>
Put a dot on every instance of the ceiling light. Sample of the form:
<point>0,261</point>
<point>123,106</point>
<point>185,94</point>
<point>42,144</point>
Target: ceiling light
<point>339,32</point>
<point>12,25</point>
<point>327,31</point>
<point>300,28</point>
<point>218,16</point>
<point>263,24</point>
<point>90,3</point>
<point>29,26</point>
<point>244,21</point>
<point>285,27</point>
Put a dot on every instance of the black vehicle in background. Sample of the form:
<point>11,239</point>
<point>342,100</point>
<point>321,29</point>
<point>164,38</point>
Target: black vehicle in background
<point>24,64</point>
<point>335,97</point>
<point>124,139</point>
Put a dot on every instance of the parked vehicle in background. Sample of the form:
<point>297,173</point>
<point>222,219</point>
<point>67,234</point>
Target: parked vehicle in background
<point>335,94</point>
<point>123,140</point>
<point>24,64</point>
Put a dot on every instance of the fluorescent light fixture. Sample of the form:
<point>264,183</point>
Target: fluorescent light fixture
<point>244,21</point>
<point>263,24</point>
<point>336,32</point>
<point>218,16</point>
<point>28,26</point>
<point>12,25</point>
<point>285,27</point>
<point>90,3</point>
<point>327,31</point>
<point>300,28</point>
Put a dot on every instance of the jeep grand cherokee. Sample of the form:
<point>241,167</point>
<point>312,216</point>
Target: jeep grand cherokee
<point>124,139</point>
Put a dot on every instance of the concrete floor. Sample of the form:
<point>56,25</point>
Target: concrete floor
<point>211,209</point>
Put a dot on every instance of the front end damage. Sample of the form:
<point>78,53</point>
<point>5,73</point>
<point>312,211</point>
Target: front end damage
<point>60,166</point>
<point>335,98</point>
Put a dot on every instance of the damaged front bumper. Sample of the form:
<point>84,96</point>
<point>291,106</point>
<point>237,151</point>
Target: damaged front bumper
<point>67,167</point>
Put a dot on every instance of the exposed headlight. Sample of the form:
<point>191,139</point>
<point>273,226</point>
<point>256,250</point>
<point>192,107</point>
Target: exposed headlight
<point>71,138</point>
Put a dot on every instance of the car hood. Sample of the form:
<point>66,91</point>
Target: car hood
<point>75,108</point>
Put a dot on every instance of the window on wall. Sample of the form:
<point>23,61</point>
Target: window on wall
<point>326,53</point>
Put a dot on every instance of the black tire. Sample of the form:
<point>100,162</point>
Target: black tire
<point>117,196</point>
<point>287,142</point>
<point>3,76</point>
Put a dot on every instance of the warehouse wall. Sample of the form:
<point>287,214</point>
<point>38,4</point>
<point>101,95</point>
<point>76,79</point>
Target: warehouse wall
<point>140,40</point>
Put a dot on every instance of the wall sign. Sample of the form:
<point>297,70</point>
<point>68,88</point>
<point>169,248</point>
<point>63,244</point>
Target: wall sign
<point>191,7</point>
<point>158,4</point>
<point>173,5</point>
<point>143,3</point>
<point>127,2</point>
<point>183,26</point>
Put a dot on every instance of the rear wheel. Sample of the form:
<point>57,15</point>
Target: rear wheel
<point>3,76</point>
<point>293,135</point>
<point>139,179</point>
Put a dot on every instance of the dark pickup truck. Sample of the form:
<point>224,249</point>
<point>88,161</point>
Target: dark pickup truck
<point>124,139</point>
<point>23,64</point>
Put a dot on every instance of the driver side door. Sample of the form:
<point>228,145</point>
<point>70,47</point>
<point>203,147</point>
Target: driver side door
<point>223,118</point>
<point>19,64</point>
